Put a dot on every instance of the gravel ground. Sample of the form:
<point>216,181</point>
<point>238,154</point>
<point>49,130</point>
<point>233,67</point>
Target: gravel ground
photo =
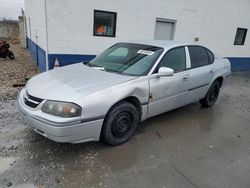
<point>15,72</point>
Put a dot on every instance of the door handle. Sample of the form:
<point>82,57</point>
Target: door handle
<point>186,77</point>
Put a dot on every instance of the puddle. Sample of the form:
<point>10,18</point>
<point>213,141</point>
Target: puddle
<point>5,164</point>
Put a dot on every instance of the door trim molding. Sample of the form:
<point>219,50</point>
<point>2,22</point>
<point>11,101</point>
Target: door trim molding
<point>198,87</point>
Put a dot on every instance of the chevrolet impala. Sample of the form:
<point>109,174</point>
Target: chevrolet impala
<point>107,98</point>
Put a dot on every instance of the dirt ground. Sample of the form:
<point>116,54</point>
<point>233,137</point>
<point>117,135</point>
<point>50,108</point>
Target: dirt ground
<point>15,72</point>
<point>187,147</point>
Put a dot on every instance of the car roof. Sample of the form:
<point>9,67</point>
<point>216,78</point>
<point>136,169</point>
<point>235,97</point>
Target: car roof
<point>167,44</point>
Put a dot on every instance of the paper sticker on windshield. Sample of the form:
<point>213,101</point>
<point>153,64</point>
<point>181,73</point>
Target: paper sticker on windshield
<point>145,52</point>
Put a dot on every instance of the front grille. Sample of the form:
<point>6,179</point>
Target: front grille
<point>31,101</point>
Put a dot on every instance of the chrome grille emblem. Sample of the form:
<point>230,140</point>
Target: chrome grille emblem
<point>31,101</point>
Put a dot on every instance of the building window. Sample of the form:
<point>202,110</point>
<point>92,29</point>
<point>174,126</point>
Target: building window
<point>240,36</point>
<point>104,23</point>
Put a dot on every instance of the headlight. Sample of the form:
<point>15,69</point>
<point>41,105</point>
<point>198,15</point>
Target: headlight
<point>62,109</point>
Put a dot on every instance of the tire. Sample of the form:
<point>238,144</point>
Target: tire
<point>120,124</point>
<point>11,55</point>
<point>212,95</point>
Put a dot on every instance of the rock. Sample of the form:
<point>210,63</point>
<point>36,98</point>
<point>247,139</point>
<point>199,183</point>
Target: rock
<point>9,184</point>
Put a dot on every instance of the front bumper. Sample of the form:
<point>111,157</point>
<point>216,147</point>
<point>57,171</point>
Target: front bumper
<point>72,132</point>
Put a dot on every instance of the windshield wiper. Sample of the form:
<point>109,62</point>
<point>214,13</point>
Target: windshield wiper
<point>99,68</point>
<point>95,67</point>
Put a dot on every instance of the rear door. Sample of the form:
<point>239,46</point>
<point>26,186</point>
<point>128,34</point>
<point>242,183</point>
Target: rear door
<point>201,72</point>
<point>167,93</point>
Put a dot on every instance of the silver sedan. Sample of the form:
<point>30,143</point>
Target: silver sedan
<point>109,96</point>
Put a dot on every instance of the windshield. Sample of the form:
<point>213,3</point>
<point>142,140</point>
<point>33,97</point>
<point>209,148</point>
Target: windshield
<point>128,59</point>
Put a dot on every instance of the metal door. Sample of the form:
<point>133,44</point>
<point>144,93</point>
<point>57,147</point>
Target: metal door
<point>164,30</point>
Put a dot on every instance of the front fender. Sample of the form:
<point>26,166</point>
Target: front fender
<point>96,105</point>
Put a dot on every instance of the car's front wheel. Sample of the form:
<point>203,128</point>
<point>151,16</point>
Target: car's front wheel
<point>212,95</point>
<point>120,123</point>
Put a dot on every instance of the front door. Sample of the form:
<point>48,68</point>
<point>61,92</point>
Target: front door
<point>167,93</point>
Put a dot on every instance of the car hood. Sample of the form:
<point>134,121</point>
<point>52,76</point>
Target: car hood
<point>72,82</point>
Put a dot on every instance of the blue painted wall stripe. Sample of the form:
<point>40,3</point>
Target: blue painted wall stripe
<point>67,59</point>
<point>240,63</point>
<point>38,54</point>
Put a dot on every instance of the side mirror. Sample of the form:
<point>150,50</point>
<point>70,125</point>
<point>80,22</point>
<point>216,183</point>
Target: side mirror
<point>164,71</point>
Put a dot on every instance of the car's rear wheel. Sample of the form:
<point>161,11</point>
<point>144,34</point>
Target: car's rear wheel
<point>120,123</point>
<point>212,95</point>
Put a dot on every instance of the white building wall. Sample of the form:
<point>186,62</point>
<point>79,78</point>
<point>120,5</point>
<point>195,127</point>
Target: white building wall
<point>70,23</point>
<point>36,22</point>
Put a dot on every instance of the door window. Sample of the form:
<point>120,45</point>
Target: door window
<point>175,59</point>
<point>211,56</point>
<point>198,56</point>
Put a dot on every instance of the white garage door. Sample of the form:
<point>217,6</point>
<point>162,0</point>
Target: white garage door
<point>164,30</point>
